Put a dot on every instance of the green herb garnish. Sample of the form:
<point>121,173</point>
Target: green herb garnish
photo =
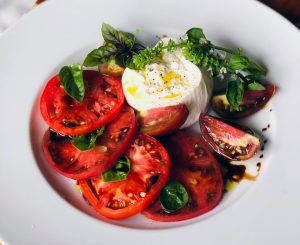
<point>242,72</point>
<point>255,86</point>
<point>101,55</point>
<point>119,45</point>
<point>234,93</point>
<point>71,79</point>
<point>117,172</point>
<point>173,197</point>
<point>87,141</point>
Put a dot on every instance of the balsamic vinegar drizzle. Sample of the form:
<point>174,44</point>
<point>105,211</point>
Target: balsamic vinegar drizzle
<point>233,174</point>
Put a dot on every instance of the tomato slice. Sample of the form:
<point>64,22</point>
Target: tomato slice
<point>102,103</point>
<point>163,120</point>
<point>76,164</point>
<point>150,166</point>
<point>198,171</point>
<point>234,143</point>
<point>253,101</point>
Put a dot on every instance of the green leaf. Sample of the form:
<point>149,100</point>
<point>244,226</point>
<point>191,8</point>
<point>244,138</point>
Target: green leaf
<point>195,34</point>
<point>111,35</point>
<point>145,57</point>
<point>234,93</point>
<point>255,86</point>
<point>101,55</point>
<point>117,172</point>
<point>87,141</point>
<point>239,62</point>
<point>171,46</point>
<point>173,197</point>
<point>71,78</point>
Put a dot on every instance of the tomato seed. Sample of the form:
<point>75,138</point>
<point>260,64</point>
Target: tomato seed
<point>142,194</point>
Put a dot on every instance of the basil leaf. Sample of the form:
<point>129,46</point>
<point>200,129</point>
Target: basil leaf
<point>173,197</point>
<point>87,141</point>
<point>239,62</point>
<point>111,35</point>
<point>234,93</point>
<point>101,55</point>
<point>195,34</point>
<point>255,86</point>
<point>71,78</point>
<point>117,172</point>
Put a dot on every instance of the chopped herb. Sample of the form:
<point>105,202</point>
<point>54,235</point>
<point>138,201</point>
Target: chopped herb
<point>118,172</point>
<point>87,141</point>
<point>173,197</point>
<point>255,86</point>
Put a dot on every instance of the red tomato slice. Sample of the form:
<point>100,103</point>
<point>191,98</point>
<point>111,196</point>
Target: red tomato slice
<point>234,143</point>
<point>163,120</point>
<point>150,166</point>
<point>253,101</point>
<point>198,171</point>
<point>102,103</point>
<point>76,164</point>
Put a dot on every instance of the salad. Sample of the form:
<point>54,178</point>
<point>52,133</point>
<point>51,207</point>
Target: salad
<point>119,131</point>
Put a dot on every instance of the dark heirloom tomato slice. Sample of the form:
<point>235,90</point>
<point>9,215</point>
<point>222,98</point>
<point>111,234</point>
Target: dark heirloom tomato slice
<point>234,143</point>
<point>102,102</point>
<point>197,169</point>
<point>76,164</point>
<point>163,120</point>
<point>253,101</point>
<point>150,166</point>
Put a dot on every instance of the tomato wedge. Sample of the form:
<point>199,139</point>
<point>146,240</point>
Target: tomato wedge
<point>102,103</point>
<point>163,120</point>
<point>198,171</point>
<point>253,101</point>
<point>234,143</point>
<point>150,166</point>
<point>76,164</point>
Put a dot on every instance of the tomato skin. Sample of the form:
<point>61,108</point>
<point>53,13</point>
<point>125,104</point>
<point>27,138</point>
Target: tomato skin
<point>253,101</point>
<point>103,101</point>
<point>113,200</point>
<point>198,171</point>
<point>163,120</point>
<point>76,164</point>
<point>215,132</point>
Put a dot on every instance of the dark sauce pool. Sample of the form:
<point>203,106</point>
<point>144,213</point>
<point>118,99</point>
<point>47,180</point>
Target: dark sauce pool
<point>233,174</point>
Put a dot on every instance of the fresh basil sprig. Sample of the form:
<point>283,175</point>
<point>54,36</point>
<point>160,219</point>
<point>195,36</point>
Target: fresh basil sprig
<point>117,172</point>
<point>87,141</point>
<point>121,39</point>
<point>71,78</point>
<point>101,55</point>
<point>173,197</point>
<point>245,73</point>
<point>119,45</point>
<point>240,63</point>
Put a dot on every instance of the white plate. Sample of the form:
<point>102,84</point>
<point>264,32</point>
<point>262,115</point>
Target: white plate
<point>38,206</point>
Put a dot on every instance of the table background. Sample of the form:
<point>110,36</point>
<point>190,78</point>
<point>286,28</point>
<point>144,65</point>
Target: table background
<point>12,10</point>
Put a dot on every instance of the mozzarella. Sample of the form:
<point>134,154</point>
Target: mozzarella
<point>171,81</point>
